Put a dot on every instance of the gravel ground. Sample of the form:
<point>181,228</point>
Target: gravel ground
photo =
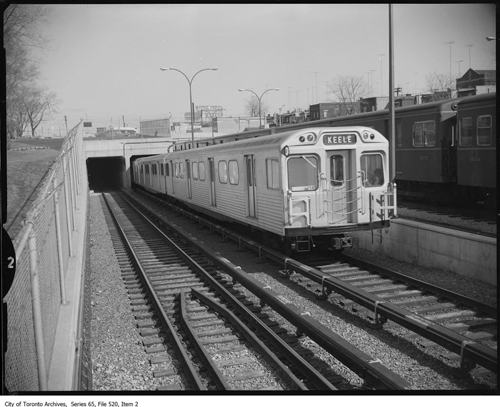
<point>114,334</point>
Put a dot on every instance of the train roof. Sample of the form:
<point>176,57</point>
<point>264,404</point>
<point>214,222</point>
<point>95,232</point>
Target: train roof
<point>270,140</point>
<point>477,98</point>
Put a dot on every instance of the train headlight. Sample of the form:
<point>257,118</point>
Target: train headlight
<point>372,136</point>
<point>310,137</point>
<point>286,151</point>
<point>365,135</point>
<point>302,139</point>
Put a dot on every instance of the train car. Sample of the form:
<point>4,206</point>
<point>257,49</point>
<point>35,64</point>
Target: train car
<point>302,189</point>
<point>476,163</point>
<point>425,153</point>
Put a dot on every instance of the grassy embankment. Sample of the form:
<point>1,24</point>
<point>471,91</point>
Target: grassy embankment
<point>25,170</point>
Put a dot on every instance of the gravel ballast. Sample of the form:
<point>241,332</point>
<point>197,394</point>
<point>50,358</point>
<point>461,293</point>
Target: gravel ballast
<point>118,355</point>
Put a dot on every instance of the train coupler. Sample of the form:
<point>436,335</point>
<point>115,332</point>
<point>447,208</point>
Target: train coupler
<point>339,243</point>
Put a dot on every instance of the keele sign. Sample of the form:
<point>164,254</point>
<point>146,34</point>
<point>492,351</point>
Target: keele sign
<point>339,139</point>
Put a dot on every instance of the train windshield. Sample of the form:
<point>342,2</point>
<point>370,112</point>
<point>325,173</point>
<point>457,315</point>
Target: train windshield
<point>303,173</point>
<point>373,170</point>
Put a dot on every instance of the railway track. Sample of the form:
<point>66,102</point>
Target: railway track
<point>204,333</point>
<point>437,316</point>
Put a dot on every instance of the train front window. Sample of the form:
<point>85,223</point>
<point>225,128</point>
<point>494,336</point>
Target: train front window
<point>303,173</point>
<point>465,132</point>
<point>484,131</point>
<point>372,167</point>
<point>336,170</point>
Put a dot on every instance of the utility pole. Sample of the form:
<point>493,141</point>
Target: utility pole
<point>450,42</point>
<point>469,45</point>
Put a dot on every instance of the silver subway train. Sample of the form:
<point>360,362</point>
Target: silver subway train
<point>302,189</point>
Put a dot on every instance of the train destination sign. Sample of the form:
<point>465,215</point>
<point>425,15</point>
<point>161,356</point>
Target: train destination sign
<point>329,139</point>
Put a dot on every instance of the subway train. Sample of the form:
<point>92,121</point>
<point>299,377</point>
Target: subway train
<point>302,189</point>
<point>445,150</point>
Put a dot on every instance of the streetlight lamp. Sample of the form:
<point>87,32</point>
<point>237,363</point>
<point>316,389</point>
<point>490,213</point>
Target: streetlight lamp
<point>259,99</point>
<point>190,81</point>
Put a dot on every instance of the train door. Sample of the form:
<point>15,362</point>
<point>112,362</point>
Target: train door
<point>211,174</point>
<point>172,174</point>
<point>339,188</point>
<point>250,164</point>
<point>165,164</point>
<point>188,175</point>
<point>374,177</point>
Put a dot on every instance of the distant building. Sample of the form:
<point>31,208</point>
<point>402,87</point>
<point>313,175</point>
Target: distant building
<point>474,82</point>
<point>156,128</point>
<point>373,104</point>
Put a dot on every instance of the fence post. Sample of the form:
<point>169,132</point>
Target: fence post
<point>59,243</point>
<point>68,208</point>
<point>37,310</point>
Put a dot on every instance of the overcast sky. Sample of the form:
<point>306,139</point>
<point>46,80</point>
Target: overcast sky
<point>104,61</point>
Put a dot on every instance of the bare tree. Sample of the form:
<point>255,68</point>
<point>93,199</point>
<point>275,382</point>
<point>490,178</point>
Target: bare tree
<point>348,89</point>
<point>37,103</point>
<point>252,107</point>
<point>439,85</point>
<point>21,33</point>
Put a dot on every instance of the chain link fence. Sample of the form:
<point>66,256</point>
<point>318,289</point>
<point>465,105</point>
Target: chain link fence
<point>43,248</point>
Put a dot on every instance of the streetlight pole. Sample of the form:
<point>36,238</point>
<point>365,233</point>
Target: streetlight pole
<point>259,99</point>
<point>190,81</point>
<point>381,76</point>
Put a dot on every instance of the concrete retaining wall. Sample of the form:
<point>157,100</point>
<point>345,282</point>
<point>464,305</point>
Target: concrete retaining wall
<point>463,253</point>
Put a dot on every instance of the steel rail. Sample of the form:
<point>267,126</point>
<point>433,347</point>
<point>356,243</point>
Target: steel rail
<point>264,351</point>
<point>445,337</point>
<point>305,368</point>
<point>202,353</point>
<point>319,381</point>
<point>371,370</point>
<point>190,370</point>
<point>480,306</point>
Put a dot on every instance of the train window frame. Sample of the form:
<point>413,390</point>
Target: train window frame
<point>222,171</point>
<point>181,169</point>
<point>372,168</point>
<point>461,138</point>
<point>194,169</point>
<point>336,179</point>
<point>490,127</point>
<point>424,141</point>
<point>233,172</point>
<point>201,171</point>
<point>306,160</point>
<point>273,173</point>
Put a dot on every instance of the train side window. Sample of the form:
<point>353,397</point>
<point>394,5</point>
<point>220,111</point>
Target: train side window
<point>465,132</point>
<point>336,170</point>
<point>222,166</point>
<point>430,133</point>
<point>176,170</point>
<point>272,170</point>
<point>162,169</point>
<point>418,134</point>
<point>201,170</point>
<point>233,172</point>
<point>372,167</point>
<point>484,131</point>
<point>303,173</point>
<point>195,170</point>
<point>181,169</point>
<point>167,172</point>
<point>154,169</point>
<point>147,168</point>
<point>142,169</point>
